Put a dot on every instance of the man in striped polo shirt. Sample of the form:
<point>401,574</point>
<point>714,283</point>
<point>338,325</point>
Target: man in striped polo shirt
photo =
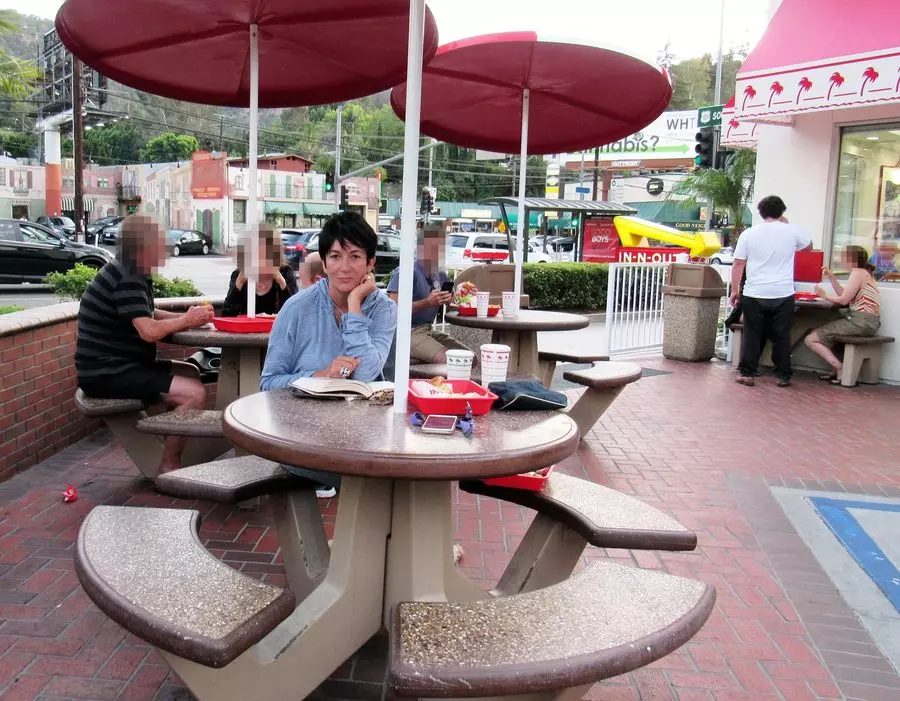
<point>118,328</point>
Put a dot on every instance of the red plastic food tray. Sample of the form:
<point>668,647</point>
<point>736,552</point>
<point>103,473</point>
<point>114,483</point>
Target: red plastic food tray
<point>473,311</point>
<point>455,406</point>
<point>806,296</point>
<point>532,481</point>
<point>242,324</point>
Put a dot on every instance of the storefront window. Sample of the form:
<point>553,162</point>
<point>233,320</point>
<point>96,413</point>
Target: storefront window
<point>867,204</point>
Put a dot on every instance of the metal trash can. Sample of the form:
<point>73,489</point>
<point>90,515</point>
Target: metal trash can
<point>691,301</point>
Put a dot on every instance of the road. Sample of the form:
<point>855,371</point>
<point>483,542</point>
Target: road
<point>209,273</point>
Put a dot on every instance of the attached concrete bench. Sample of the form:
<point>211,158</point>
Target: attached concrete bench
<point>552,643</point>
<point>571,514</point>
<point>298,518</point>
<point>604,381</point>
<point>230,480</point>
<point>547,360</point>
<point>147,570</point>
<point>199,423</point>
<point>862,358</point>
<point>122,416</point>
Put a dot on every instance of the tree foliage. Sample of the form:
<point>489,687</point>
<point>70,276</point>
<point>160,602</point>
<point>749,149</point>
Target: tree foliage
<point>18,77</point>
<point>694,79</point>
<point>168,147</point>
<point>729,189</point>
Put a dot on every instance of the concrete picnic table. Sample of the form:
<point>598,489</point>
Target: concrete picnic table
<point>242,358</point>
<point>520,333</point>
<point>393,537</point>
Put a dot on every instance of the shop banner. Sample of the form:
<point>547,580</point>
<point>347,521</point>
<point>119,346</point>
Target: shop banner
<point>208,178</point>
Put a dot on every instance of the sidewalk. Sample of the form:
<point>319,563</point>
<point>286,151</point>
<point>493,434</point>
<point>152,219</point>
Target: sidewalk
<point>685,438</point>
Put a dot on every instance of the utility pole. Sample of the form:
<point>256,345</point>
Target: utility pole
<point>596,169</point>
<point>580,177</point>
<point>78,146</point>
<point>716,100</point>
<point>515,192</point>
<point>337,157</point>
<point>221,130</point>
<point>430,161</point>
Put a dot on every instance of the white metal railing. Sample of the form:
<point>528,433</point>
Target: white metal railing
<point>634,312</point>
<point>634,308</point>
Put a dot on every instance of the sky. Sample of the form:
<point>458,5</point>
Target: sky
<point>691,27</point>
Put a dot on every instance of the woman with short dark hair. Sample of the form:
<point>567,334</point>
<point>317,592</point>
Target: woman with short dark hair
<point>861,317</point>
<point>342,326</point>
<point>275,282</point>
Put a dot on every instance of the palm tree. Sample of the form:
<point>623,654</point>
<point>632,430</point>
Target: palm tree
<point>727,189</point>
<point>17,77</point>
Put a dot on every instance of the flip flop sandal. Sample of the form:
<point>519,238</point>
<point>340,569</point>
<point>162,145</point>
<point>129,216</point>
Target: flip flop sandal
<point>827,376</point>
<point>837,382</point>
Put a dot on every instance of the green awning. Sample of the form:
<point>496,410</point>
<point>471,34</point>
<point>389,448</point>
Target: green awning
<point>513,216</point>
<point>284,208</point>
<point>561,223</point>
<point>316,209</point>
<point>664,211</point>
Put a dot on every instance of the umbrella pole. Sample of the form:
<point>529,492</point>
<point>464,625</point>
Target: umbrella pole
<point>415,40</point>
<point>251,250</point>
<point>523,164</point>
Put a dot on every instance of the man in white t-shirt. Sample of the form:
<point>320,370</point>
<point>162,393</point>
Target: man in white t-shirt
<point>767,251</point>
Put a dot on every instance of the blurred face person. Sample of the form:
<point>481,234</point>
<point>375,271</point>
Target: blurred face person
<point>311,270</point>
<point>143,244</point>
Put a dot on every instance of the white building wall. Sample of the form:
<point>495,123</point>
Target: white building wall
<point>798,164</point>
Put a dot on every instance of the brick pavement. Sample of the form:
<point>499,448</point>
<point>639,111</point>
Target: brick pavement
<point>691,443</point>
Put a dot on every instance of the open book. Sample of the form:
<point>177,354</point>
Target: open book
<point>327,387</point>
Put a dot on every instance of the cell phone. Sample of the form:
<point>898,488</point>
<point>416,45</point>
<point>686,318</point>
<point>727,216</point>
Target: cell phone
<point>440,423</point>
<point>447,286</point>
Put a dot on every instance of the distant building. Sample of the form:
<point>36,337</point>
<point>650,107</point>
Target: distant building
<point>285,162</point>
<point>21,190</point>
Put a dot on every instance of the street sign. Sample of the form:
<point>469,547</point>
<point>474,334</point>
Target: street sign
<point>583,190</point>
<point>710,116</point>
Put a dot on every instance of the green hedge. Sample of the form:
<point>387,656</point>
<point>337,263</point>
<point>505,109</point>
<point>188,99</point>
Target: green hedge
<point>73,283</point>
<point>579,286</point>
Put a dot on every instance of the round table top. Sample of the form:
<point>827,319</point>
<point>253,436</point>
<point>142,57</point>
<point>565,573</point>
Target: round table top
<point>814,304</point>
<point>211,336</point>
<point>526,320</point>
<point>361,439</point>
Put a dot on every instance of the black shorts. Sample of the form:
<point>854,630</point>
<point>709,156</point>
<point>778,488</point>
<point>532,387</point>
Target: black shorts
<point>144,382</point>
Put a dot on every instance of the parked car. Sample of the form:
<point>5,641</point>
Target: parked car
<point>180,241</point>
<point>97,231</point>
<point>29,251</point>
<point>724,256</point>
<point>64,225</point>
<point>296,243</point>
<point>467,249</point>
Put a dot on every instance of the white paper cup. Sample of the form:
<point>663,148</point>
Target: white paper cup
<point>494,363</point>
<point>510,305</point>
<point>459,364</point>
<point>482,301</point>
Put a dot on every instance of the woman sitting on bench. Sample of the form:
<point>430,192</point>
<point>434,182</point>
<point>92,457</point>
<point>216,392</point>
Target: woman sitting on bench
<point>275,283</point>
<point>860,318</point>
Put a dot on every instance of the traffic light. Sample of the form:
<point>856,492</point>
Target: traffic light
<point>427,201</point>
<point>344,201</point>
<point>329,182</point>
<point>704,148</point>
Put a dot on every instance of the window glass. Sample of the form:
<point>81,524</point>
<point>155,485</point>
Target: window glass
<point>9,231</point>
<point>240,211</point>
<point>867,202</point>
<point>458,241</point>
<point>35,235</point>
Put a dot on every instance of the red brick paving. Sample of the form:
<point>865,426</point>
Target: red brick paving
<point>691,443</point>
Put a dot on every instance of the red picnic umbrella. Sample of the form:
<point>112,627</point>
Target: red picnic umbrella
<point>517,91</point>
<point>246,53</point>
<point>310,51</point>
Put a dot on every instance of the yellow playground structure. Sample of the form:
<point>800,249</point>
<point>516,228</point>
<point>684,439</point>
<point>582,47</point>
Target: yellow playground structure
<point>634,232</point>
